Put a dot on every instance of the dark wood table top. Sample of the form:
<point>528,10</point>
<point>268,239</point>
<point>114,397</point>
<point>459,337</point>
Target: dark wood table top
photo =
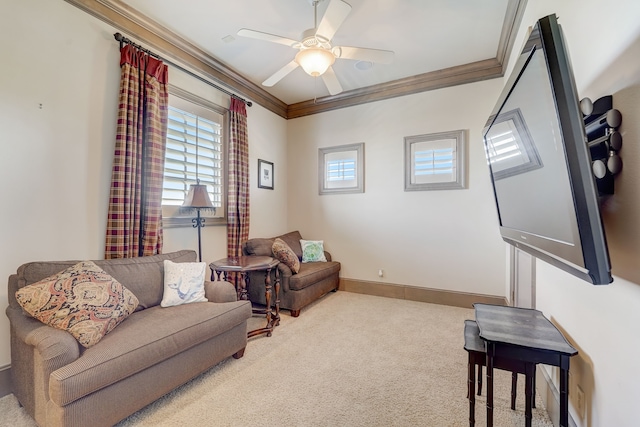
<point>523,327</point>
<point>244,263</point>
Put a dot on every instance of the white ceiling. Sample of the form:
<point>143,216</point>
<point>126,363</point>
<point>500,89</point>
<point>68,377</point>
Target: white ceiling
<point>426,35</point>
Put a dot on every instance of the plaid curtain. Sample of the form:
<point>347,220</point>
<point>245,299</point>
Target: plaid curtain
<point>134,226</point>
<point>238,199</point>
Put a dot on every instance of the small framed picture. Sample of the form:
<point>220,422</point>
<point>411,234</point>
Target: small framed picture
<point>265,174</point>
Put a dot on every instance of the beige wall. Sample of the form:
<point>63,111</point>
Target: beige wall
<point>419,238</point>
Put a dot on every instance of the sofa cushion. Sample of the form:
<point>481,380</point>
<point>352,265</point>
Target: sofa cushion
<point>259,247</point>
<point>312,251</point>
<point>145,339</point>
<point>82,300</point>
<point>183,283</point>
<point>285,254</point>
<point>311,273</point>
<point>262,247</point>
<point>293,240</point>
<point>143,276</point>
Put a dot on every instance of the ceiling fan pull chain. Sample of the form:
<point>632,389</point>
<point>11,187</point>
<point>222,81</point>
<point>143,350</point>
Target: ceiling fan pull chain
<point>315,89</point>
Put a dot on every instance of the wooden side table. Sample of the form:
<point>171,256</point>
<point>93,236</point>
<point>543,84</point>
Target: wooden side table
<point>242,265</point>
<point>524,334</point>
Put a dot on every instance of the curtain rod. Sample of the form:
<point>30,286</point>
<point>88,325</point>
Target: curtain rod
<point>122,39</point>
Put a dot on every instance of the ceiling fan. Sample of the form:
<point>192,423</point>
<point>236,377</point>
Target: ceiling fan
<point>315,54</point>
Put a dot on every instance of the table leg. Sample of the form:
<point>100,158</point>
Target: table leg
<point>244,284</point>
<point>267,299</point>
<point>528,393</point>
<point>277,297</point>
<point>471,391</point>
<point>514,387</point>
<point>564,394</point>
<point>490,354</point>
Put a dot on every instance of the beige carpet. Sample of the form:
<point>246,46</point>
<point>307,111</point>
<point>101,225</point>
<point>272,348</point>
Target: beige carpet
<point>348,360</point>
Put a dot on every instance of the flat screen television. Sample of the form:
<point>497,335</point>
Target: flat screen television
<point>540,165</point>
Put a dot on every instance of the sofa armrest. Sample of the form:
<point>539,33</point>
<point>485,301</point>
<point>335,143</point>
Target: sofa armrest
<point>37,350</point>
<point>327,255</point>
<point>220,291</point>
<point>56,347</point>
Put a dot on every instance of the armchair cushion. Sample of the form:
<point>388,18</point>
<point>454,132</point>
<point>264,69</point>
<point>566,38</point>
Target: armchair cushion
<point>313,251</point>
<point>285,254</point>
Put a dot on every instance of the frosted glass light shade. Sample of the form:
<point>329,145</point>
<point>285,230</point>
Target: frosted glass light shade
<point>315,61</point>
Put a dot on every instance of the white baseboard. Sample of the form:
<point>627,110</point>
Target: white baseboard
<point>550,396</point>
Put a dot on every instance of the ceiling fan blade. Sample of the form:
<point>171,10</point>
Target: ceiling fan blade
<point>363,54</point>
<point>280,74</point>
<point>244,32</point>
<point>331,81</point>
<point>334,16</point>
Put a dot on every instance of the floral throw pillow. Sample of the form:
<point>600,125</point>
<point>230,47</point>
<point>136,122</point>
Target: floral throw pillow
<point>183,283</point>
<point>285,255</point>
<point>82,300</point>
<point>313,251</point>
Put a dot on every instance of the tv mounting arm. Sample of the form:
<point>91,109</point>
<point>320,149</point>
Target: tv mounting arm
<point>601,122</point>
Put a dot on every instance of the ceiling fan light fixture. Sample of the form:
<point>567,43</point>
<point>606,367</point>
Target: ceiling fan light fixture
<point>315,61</point>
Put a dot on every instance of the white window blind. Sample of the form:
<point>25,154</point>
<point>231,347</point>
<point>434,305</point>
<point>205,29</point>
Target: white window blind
<point>434,162</point>
<point>341,170</point>
<point>193,151</point>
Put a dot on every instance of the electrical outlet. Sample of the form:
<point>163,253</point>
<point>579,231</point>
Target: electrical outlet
<point>381,273</point>
<point>581,402</point>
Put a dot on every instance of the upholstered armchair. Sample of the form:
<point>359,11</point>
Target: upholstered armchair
<point>297,290</point>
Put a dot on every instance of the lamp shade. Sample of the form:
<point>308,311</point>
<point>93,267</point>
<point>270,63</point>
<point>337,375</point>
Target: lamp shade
<point>198,197</point>
<point>315,61</point>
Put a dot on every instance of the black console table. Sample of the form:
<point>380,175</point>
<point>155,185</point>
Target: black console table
<point>524,334</point>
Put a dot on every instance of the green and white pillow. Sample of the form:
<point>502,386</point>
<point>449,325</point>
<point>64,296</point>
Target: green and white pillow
<point>183,283</point>
<point>313,251</point>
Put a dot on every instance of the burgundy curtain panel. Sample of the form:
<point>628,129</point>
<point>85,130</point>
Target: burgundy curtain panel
<point>238,197</point>
<point>134,226</point>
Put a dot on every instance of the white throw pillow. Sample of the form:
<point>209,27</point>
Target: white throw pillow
<point>183,283</point>
<point>313,251</point>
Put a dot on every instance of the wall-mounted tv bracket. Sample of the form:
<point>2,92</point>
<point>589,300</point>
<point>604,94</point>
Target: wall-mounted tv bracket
<point>601,122</point>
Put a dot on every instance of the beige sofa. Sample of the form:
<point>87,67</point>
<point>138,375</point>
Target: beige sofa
<point>314,279</point>
<point>153,351</point>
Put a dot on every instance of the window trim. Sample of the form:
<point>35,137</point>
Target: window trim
<point>355,150</point>
<point>186,220</point>
<point>459,180</point>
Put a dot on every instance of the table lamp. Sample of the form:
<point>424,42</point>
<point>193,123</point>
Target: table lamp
<point>198,198</point>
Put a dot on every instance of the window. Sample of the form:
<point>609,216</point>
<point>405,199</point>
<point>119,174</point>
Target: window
<point>435,161</point>
<point>196,150</point>
<point>341,169</point>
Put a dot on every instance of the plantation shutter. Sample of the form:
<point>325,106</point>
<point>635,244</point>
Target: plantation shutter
<point>194,151</point>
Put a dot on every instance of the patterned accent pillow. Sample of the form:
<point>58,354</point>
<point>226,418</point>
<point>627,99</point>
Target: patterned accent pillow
<point>313,251</point>
<point>285,255</point>
<point>183,283</point>
<point>82,300</point>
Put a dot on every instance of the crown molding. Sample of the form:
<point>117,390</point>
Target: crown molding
<point>462,74</point>
<point>172,46</point>
<point>168,44</point>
